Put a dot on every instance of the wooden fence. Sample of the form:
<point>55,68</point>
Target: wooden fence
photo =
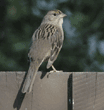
<point>59,91</point>
<point>88,91</point>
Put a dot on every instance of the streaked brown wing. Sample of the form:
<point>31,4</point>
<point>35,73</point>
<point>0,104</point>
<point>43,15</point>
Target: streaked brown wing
<point>56,42</point>
<point>54,35</point>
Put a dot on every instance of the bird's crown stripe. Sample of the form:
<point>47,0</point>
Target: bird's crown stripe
<point>57,11</point>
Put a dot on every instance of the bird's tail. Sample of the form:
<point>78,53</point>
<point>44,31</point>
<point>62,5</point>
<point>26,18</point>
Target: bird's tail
<point>27,86</point>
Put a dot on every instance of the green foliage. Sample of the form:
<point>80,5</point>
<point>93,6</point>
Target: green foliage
<point>78,20</point>
<point>21,18</point>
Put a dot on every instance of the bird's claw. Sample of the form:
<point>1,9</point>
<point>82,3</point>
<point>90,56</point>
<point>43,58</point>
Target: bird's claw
<point>48,73</point>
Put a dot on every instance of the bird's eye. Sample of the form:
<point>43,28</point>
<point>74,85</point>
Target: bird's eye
<point>54,14</point>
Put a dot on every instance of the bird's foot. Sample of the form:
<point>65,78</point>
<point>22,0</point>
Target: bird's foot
<point>48,73</point>
<point>54,70</point>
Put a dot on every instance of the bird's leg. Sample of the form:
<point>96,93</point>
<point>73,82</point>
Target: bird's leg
<point>54,70</point>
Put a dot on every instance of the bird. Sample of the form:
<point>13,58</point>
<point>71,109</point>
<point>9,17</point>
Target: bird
<point>47,42</point>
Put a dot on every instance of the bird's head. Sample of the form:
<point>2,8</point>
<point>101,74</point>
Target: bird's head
<point>54,17</point>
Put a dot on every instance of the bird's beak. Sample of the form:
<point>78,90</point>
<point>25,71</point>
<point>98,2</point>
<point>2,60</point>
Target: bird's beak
<point>63,15</point>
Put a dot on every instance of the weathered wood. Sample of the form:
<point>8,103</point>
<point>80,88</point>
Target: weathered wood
<point>88,91</point>
<point>48,93</point>
<point>52,93</point>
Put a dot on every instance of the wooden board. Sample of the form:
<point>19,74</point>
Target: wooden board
<point>47,94</point>
<point>88,91</point>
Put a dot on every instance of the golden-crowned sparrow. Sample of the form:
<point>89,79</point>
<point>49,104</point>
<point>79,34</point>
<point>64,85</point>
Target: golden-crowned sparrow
<point>47,42</point>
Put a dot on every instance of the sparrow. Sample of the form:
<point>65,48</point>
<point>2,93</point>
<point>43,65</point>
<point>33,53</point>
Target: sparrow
<point>47,42</point>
